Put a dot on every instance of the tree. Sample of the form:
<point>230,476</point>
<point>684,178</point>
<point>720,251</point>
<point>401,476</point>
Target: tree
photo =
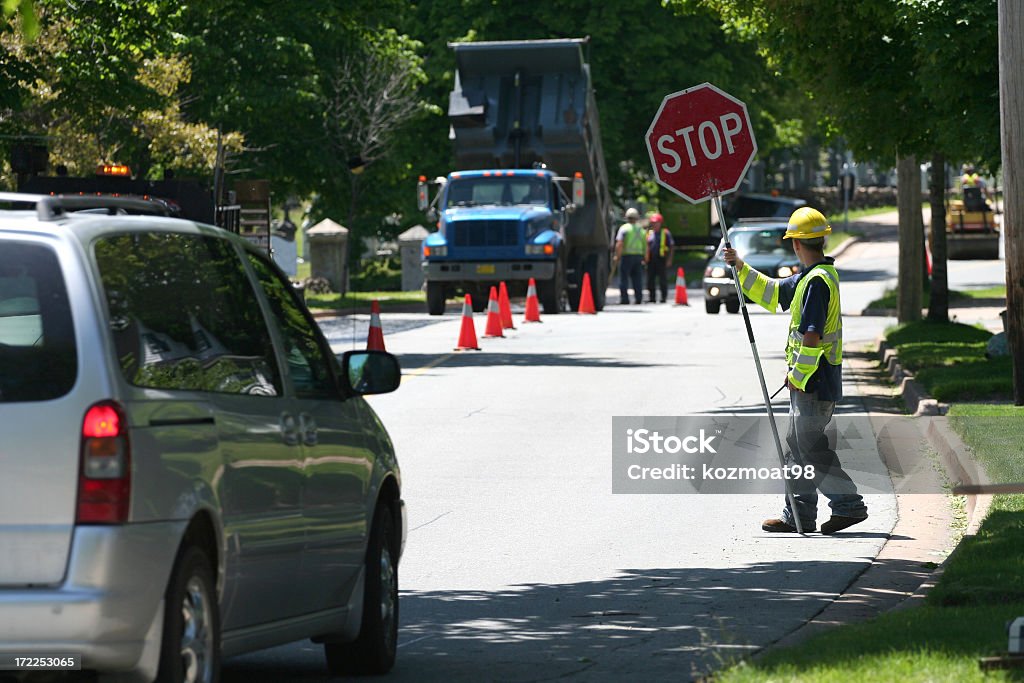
<point>371,92</point>
<point>1011,105</point>
<point>102,85</point>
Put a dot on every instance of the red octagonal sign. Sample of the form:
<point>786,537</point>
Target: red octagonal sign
<point>701,143</point>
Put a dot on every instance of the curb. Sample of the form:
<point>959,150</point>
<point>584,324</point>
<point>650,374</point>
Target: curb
<point>880,587</point>
<point>915,398</point>
<point>841,249</point>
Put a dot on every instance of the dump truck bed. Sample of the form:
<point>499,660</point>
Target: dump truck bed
<point>520,102</point>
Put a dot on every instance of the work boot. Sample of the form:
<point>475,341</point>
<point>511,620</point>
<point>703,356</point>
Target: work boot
<point>839,522</point>
<point>782,526</point>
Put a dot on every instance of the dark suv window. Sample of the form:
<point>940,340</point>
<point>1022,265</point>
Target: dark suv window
<point>183,314</point>
<point>38,357</point>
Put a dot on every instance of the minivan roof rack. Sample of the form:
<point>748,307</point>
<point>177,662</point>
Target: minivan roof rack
<point>50,208</point>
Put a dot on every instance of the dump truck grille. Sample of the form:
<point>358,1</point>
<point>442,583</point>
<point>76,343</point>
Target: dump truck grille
<point>484,233</point>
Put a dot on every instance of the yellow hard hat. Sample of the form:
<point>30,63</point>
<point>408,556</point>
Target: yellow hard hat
<point>806,224</point>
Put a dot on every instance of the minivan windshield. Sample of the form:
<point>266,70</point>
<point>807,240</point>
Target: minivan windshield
<point>38,356</point>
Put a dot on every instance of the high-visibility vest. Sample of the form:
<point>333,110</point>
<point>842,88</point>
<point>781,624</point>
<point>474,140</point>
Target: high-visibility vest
<point>969,180</point>
<point>802,360</point>
<point>634,242</point>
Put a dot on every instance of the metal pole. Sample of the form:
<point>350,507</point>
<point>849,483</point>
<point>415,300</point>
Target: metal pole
<point>757,363</point>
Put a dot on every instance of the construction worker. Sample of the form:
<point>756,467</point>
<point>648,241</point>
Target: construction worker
<point>630,247</point>
<point>814,352</point>
<point>659,257</point>
<point>971,179</point>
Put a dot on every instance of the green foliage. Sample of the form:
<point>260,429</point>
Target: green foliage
<point>893,77</point>
<point>378,275</point>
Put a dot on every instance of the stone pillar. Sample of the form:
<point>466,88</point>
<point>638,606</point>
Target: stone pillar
<point>328,253</point>
<point>410,248</point>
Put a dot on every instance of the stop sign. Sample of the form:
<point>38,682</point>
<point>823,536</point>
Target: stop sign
<point>701,142</point>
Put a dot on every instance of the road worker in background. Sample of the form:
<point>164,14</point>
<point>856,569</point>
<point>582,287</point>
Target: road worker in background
<point>630,247</point>
<point>970,178</point>
<point>660,248</point>
<point>814,353</point>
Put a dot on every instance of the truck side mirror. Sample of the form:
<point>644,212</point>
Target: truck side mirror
<point>578,190</point>
<point>422,195</point>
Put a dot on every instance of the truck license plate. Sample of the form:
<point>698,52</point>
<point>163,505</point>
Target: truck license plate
<point>485,269</point>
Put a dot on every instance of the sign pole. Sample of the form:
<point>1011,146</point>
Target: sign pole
<point>757,363</point>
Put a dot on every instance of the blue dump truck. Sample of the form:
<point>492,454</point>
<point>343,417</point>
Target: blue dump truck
<point>531,199</point>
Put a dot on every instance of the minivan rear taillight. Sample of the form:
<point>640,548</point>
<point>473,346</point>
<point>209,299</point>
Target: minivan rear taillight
<point>104,480</point>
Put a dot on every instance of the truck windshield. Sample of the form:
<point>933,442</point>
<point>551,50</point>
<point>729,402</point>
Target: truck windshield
<point>504,191</point>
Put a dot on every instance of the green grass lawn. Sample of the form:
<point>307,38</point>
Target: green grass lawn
<point>357,300</point>
<point>949,360</point>
<point>836,219</point>
<point>964,616</point>
<point>888,300</point>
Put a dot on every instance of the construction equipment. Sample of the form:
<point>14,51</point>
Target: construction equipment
<point>533,199</point>
<point>971,228</point>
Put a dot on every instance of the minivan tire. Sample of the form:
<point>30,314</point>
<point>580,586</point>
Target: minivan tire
<point>190,648</point>
<point>712,306</point>
<point>373,652</point>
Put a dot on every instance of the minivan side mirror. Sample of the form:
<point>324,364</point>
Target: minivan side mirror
<point>370,372</point>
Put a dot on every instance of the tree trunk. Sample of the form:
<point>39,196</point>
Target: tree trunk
<point>1011,110</point>
<point>938,309</point>
<point>910,287</point>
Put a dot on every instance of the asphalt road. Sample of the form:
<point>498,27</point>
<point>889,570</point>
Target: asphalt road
<point>522,565</point>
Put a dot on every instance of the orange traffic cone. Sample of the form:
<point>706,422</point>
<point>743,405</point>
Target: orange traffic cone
<point>493,328</point>
<point>375,340</point>
<point>586,297</point>
<point>467,335</point>
<point>532,305</point>
<point>681,298</point>
<point>505,308</point>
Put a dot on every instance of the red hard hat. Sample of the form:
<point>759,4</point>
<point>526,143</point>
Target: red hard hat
<point>656,218</point>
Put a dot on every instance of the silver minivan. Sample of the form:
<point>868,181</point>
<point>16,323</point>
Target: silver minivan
<point>186,470</point>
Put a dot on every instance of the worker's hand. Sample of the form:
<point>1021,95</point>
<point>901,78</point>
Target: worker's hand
<point>731,258</point>
<point>791,386</point>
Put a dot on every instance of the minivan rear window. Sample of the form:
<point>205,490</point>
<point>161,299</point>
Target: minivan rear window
<point>38,356</point>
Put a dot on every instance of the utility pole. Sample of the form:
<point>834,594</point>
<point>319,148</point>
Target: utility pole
<point>1011,115</point>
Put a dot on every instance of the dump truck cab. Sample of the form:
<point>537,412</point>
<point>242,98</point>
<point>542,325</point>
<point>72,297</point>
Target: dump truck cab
<point>498,226</point>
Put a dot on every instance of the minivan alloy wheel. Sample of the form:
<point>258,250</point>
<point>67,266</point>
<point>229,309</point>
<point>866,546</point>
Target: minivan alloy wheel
<point>197,633</point>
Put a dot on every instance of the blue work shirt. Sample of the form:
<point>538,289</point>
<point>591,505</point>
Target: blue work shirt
<point>827,381</point>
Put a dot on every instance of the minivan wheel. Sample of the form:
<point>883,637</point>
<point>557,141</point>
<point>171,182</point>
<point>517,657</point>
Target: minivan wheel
<point>733,306</point>
<point>190,651</point>
<point>712,306</point>
<point>373,652</point>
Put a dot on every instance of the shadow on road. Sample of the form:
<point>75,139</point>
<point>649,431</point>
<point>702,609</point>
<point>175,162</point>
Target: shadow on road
<point>650,623</point>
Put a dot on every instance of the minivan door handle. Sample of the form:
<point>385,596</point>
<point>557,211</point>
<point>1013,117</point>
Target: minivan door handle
<point>289,429</point>
<point>307,425</point>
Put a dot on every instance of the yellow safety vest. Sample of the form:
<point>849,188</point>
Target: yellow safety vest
<point>803,360</point>
<point>634,242</point>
